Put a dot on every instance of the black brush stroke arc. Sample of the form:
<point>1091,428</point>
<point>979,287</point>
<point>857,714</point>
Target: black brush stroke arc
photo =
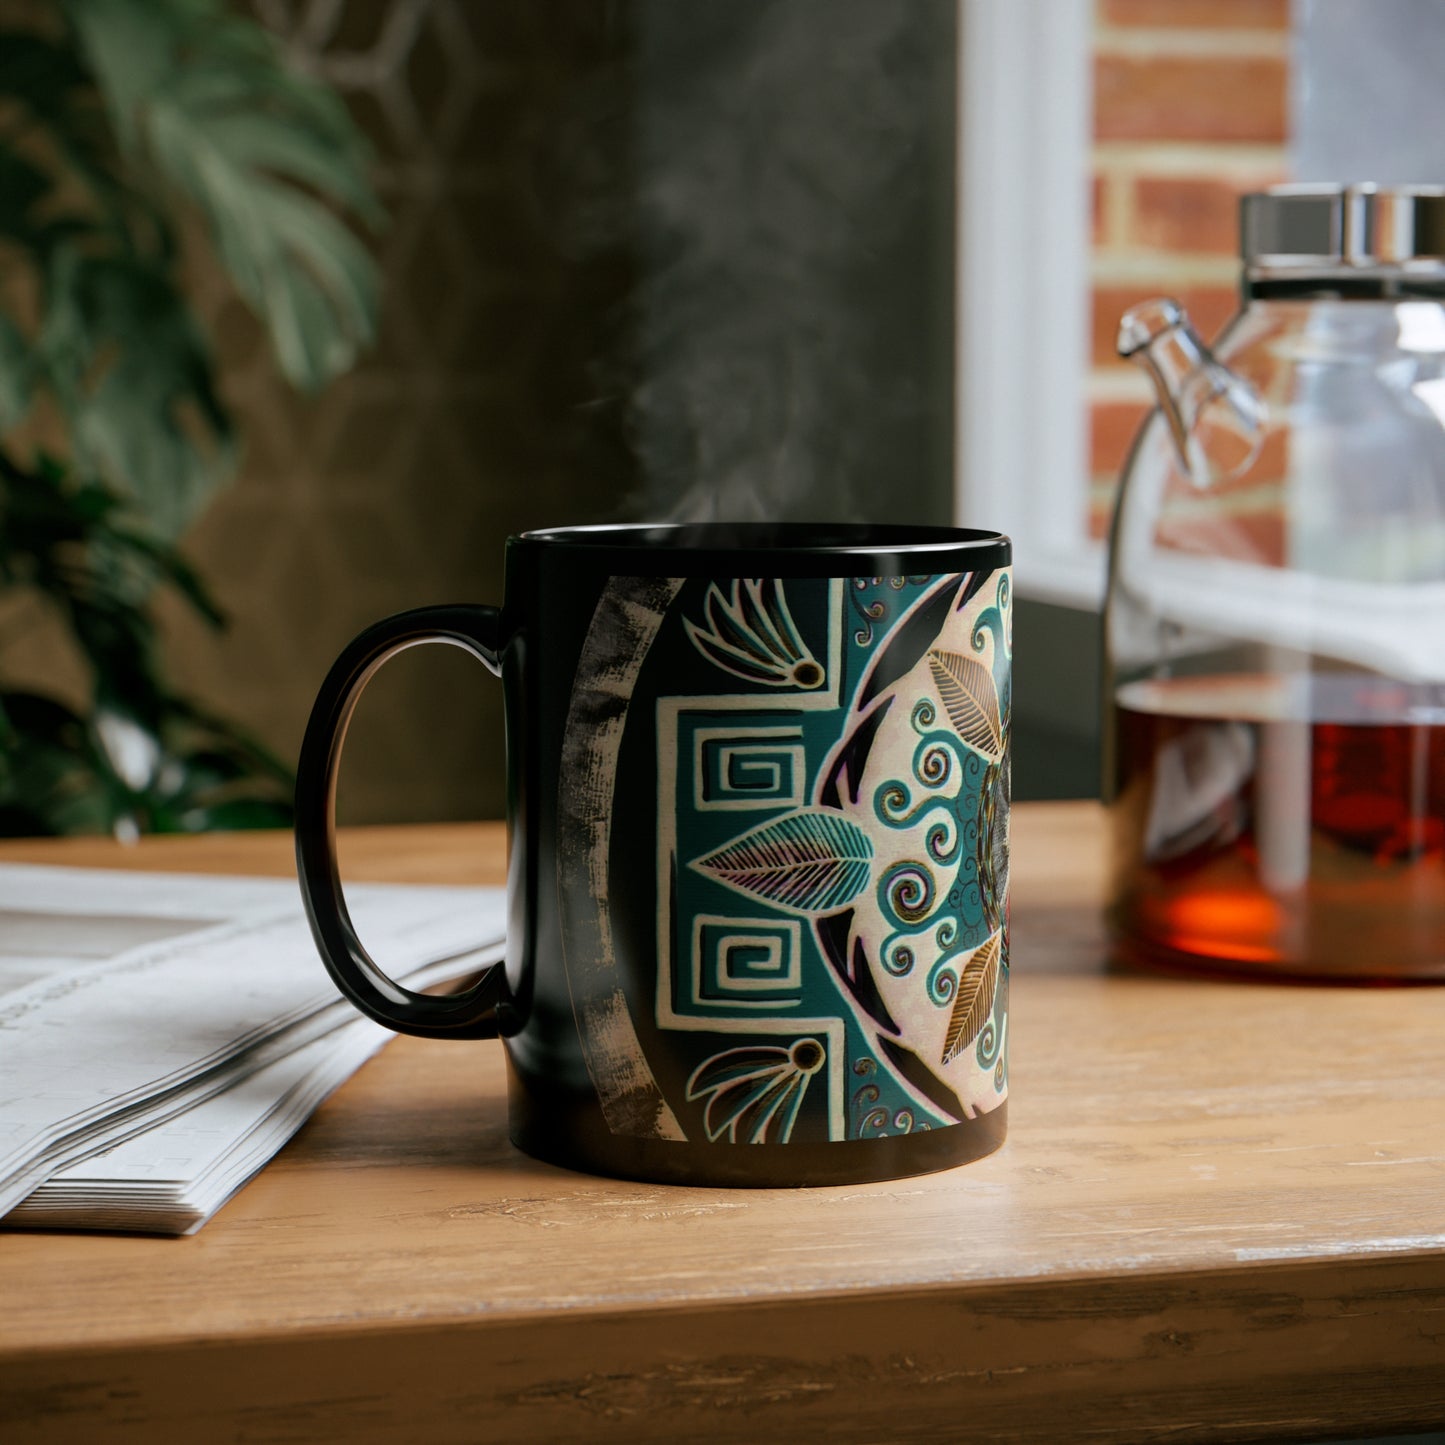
<point>833,930</point>
<point>853,759</point>
<point>922,1078</point>
<point>915,636</point>
<point>971,589</point>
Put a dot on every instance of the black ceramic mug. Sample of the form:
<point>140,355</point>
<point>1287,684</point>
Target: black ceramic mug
<point>758,796</point>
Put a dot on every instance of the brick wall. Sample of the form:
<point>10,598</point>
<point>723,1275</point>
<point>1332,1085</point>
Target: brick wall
<point>1190,111</point>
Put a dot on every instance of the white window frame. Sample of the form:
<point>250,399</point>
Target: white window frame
<point>1025,122</point>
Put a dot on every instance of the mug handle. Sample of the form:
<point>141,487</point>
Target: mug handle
<point>467,1015</point>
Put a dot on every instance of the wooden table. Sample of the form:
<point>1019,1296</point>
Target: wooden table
<point>1220,1213</point>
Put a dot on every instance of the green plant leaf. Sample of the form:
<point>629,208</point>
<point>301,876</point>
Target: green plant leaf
<point>242,745</point>
<point>262,151</point>
<point>45,80</point>
<point>813,861</point>
<point>17,375</point>
<point>171,567</point>
<point>61,773</point>
<point>50,783</point>
<point>39,74</point>
<point>129,47</point>
<point>136,104</point>
<point>134,377</point>
<point>22,186</point>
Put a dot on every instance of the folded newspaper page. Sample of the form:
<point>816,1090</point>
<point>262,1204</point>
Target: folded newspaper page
<point>161,1035</point>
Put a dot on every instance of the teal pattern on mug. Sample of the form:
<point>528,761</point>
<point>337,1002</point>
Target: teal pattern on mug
<point>832,854</point>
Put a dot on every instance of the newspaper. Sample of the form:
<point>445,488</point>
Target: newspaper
<point>162,1035</point>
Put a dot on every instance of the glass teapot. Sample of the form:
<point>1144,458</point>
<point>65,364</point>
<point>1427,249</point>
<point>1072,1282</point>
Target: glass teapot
<point>1275,624</point>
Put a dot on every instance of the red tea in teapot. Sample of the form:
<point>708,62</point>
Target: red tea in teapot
<point>1291,825</point>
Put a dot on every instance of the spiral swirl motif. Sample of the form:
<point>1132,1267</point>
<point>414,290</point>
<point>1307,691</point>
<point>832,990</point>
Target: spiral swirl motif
<point>908,890</point>
<point>873,612</point>
<point>897,958</point>
<point>987,1044</point>
<point>933,766</point>
<point>876,610</point>
<point>892,801</point>
<point>966,896</point>
<point>895,807</point>
<point>974,768</point>
<point>943,839</point>
<point>990,1052</point>
<point>924,715</point>
<point>989,1049</point>
<point>943,981</point>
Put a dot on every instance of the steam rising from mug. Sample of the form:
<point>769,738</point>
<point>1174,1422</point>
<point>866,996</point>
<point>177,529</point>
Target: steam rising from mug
<point>792,184</point>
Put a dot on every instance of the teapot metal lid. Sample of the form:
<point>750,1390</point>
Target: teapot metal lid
<point>1338,231</point>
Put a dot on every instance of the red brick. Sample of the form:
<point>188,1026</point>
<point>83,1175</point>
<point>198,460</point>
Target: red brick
<point>1112,427</point>
<point>1176,97</point>
<point>1246,536</point>
<point>1209,307</point>
<point>1270,467</point>
<point>1198,14</point>
<point>1101,516</point>
<point>1097,220</point>
<point>1256,489</point>
<point>1187,213</point>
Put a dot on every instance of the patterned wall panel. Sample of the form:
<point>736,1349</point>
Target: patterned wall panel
<point>476,415</point>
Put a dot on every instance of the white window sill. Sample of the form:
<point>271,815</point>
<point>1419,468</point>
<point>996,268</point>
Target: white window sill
<point>1072,577</point>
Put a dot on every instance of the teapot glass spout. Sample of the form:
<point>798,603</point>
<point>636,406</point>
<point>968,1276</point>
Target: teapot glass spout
<point>1216,418</point>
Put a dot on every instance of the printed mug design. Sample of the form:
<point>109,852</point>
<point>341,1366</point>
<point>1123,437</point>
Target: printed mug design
<point>830,759</point>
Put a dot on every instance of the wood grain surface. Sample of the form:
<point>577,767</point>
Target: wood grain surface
<point>1220,1214</point>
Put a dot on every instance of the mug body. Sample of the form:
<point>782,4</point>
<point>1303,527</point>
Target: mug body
<point>758,802</point>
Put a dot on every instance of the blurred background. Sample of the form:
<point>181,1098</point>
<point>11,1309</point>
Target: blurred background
<point>631,258</point>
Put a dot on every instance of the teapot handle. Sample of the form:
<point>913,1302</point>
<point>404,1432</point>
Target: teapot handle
<point>1217,419</point>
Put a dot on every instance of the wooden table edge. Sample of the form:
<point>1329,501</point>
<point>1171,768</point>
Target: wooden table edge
<point>1120,1358</point>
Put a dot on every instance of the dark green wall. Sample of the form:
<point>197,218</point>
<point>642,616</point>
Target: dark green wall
<point>793,308</point>
<point>1056,705</point>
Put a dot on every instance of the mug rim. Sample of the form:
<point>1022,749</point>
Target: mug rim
<point>780,548</point>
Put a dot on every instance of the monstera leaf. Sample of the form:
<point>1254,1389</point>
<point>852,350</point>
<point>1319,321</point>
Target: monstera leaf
<point>970,698</point>
<point>203,99</point>
<point>131,367</point>
<point>125,114</point>
<point>973,1002</point>
<point>120,116</point>
<point>813,861</point>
